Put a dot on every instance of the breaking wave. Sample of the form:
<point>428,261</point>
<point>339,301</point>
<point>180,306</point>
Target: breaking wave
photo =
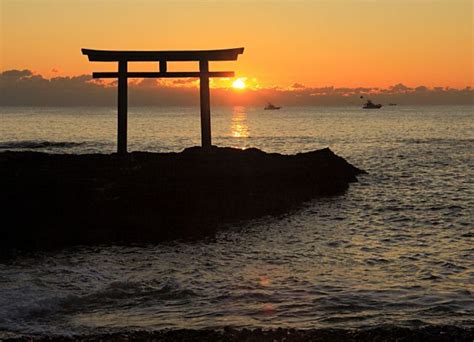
<point>15,315</point>
<point>33,144</point>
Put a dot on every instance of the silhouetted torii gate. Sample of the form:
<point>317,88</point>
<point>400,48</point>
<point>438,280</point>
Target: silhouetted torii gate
<point>201,56</point>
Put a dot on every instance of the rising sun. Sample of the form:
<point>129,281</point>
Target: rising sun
<point>238,84</point>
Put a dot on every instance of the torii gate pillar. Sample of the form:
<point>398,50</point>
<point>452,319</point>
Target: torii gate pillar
<point>205,100</point>
<point>122,108</point>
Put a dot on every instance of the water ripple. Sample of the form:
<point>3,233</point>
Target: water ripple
<point>395,249</point>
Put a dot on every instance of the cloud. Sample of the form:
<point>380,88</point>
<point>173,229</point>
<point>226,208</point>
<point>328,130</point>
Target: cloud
<point>16,74</point>
<point>298,86</point>
<point>421,89</point>
<point>184,81</point>
<point>146,83</point>
<point>399,88</point>
<point>25,88</point>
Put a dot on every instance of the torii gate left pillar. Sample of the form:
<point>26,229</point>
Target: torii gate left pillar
<point>123,57</point>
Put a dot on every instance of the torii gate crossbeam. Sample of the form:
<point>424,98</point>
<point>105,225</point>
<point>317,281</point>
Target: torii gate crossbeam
<point>162,57</point>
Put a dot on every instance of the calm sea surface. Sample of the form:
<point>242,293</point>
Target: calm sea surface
<point>397,248</point>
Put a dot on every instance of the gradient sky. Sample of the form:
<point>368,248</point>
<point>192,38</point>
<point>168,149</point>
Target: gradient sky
<point>316,43</point>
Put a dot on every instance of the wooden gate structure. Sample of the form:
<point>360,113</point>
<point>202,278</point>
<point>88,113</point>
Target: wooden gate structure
<point>162,57</point>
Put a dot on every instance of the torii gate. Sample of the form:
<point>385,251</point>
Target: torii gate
<point>162,57</point>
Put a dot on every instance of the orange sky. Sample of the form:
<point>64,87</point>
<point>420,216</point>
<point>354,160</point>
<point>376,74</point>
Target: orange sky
<point>317,43</point>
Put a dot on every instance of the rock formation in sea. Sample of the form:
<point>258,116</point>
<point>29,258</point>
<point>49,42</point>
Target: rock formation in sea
<point>57,200</point>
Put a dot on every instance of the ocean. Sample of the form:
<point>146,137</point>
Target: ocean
<point>396,249</point>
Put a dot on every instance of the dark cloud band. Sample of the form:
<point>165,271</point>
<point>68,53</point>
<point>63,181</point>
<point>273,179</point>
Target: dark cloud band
<point>24,88</point>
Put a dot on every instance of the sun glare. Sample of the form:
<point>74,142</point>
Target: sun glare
<point>238,84</point>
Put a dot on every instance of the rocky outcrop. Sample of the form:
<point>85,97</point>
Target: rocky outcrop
<point>52,200</point>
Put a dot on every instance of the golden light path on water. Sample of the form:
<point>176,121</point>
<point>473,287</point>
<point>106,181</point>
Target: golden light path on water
<point>239,127</point>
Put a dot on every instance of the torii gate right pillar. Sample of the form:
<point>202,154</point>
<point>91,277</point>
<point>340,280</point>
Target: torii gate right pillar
<point>205,100</point>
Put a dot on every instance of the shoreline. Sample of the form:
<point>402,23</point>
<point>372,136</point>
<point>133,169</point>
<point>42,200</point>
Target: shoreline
<point>444,333</point>
<point>58,200</point>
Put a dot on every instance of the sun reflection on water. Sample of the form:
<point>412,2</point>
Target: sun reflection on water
<point>239,127</point>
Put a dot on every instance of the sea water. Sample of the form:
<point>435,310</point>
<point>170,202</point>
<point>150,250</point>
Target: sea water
<point>396,249</point>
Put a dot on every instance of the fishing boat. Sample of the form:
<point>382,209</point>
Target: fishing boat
<point>371,105</point>
<point>271,107</point>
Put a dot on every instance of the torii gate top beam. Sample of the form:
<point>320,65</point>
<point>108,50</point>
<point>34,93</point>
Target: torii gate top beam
<point>172,56</point>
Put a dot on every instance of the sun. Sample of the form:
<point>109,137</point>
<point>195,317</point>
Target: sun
<point>239,84</point>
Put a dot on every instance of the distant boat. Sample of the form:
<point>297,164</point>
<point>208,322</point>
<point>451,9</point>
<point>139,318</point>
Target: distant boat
<point>371,105</point>
<point>271,107</point>
<point>392,104</point>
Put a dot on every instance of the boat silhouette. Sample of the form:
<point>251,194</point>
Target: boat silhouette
<point>271,107</point>
<point>370,105</point>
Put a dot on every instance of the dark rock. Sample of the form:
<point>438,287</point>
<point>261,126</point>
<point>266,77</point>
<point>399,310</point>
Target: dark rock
<point>52,200</point>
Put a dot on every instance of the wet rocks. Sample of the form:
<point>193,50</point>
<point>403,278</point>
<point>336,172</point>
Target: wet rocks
<point>50,201</point>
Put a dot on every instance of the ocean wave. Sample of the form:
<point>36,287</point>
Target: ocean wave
<point>122,293</point>
<point>34,144</point>
<point>168,290</point>
<point>437,141</point>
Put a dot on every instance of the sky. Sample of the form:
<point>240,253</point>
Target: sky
<point>339,43</point>
<point>316,43</point>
